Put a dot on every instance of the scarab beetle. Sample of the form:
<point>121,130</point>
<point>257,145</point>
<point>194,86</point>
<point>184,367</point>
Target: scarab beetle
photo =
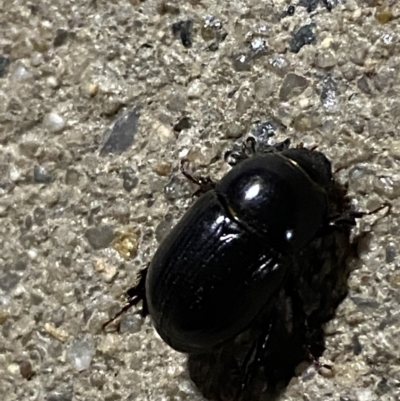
<point>229,254</point>
<point>247,252</point>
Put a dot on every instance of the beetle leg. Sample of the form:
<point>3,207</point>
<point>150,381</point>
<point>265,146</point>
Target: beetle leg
<point>205,183</point>
<point>349,217</point>
<point>252,360</point>
<point>263,148</point>
<point>135,294</point>
<point>234,157</point>
<point>281,146</point>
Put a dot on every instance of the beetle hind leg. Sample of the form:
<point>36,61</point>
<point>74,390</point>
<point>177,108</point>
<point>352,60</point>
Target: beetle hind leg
<point>135,294</point>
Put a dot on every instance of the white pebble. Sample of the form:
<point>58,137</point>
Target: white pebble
<point>21,74</point>
<point>53,122</point>
<point>196,89</point>
<point>80,354</point>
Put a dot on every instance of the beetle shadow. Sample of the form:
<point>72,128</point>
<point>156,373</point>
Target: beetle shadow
<point>290,329</point>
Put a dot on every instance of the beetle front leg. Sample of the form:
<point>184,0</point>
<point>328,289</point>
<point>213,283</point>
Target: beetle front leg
<point>135,294</point>
<point>205,183</point>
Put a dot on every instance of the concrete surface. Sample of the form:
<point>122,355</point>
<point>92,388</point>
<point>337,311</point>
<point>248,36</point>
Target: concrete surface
<point>83,205</point>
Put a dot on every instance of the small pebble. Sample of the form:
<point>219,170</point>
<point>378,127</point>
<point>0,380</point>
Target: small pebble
<point>21,74</point>
<point>165,133</point>
<point>325,60</point>
<point>13,368</point>
<point>183,123</point>
<point>29,148</point>
<point>52,82</point>
<point>241,62</point>
<point>384,14</point>
<point>4,64</point>
<point>234,130</point>
<point>280,65</point>
<point>293,85</point>
<point>108,271</point>
<point>53,122</point>
<point>291,10</point>
<point>174,189</point>
<point>53,331</point>
<point>80,354</point>
<point>126,242</point>
<point>130,179</point>
<point>163,169</point>
<point>263,88</point>
<point>72,177</point>
<point>394,279</point>
<point>91,89</point>
<point>108,344</point>
<point>183,30</point>
<point>120,137</point>
<point>196,89</point>
<point>100,237</point>
<point>304,36</point>
<point>131,323</point>
<point>3,316</point>
<point>8,281</point>
<point>64,392</point>
<point>394,149</point>
<point>26,370</point>
<point>168,7</point>
<point>41,175</point>
<point>327,372</point>
<point>60,38</point>
<point>330,95</point>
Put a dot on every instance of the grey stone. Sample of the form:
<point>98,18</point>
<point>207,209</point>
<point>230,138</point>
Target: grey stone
<point>9,281</point>
<point>64,392</point>
<point>280,65</point>
<point>325,60</point>
<point>293,85</point>
<point>183,30</point>
<point>130,179</point>
<point>131,323</point>
<point>100,237</point>
<point>330,95</point>
<point>72,177</point>
<point>174,189</point>
<point>41,175</point>
<point>390,253</point>
<point>120,137</point>
<point>60,38</point>
<point>304,36</point>
<point>4,64</point>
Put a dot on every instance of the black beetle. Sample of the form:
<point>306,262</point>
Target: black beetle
<point>224,263</point>
<point>229,254</point>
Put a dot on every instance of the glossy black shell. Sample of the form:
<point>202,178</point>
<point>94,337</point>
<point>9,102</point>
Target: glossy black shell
<point>229,254</point>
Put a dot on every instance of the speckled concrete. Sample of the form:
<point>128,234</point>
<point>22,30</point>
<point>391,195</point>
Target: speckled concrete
<point>79,217</point>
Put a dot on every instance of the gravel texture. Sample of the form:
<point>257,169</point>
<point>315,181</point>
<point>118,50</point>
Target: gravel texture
<point>99,100</point>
